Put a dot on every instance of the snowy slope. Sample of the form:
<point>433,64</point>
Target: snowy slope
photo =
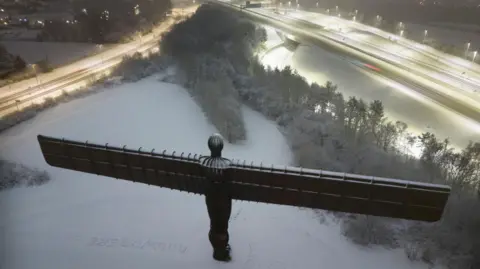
<point>80,221</point>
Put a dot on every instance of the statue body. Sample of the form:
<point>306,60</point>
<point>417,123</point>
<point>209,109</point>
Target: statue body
<point>219,206</point>
<point>218,198</point>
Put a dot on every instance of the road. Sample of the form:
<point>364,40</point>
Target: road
<point>78,74</point>
<point>407,97</point>
<point>462,75</point>
<point>430,74</point>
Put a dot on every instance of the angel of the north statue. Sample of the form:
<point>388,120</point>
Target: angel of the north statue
<point>222,180</point>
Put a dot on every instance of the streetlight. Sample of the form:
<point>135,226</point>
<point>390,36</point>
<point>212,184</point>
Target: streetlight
<point>474,56</point>
<point>100,47</point>
<point>466,51</point>
<point>425,36</point>
<point>136,10</point>
<point>36,74</point>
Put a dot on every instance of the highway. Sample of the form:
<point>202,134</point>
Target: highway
<point>78,74</point>
<point>432,75</point>
<point>400,45</point>
<point>408,96</point>
<point>463,75</point>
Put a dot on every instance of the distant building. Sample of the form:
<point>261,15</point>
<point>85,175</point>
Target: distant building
<point>33,19</point>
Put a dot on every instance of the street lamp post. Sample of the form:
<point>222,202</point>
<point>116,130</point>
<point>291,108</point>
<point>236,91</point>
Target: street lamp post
<point>466,51</point>
<point>100,46</point>
<point>474,56</point>
<point>36,74</point>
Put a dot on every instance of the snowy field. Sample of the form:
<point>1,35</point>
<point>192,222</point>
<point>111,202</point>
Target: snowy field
<point>18,34</point>
<point>58,53</point>
<point>400,102</point>
<point>79,221</point>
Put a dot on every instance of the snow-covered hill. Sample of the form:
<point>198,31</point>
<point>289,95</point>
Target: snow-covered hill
<point>79,221</point>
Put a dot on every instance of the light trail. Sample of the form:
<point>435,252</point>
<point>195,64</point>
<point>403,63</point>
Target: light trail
<point>418,53</point>
<point>78,74</point>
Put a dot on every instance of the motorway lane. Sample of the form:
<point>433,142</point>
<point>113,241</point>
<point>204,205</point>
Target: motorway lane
<point>71,82</point>
<point>77,73</point>
<point>121,49</point>
<point>432,78</point>
<point>467,72</point>
<point>74,75</point>
<point>307,35</point>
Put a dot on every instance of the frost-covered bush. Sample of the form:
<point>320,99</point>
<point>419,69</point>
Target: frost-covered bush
<point>212,49</point>
<point>368,230</point>
<point>225,115</point>
<point>16,175</point>
<point>135,67</point>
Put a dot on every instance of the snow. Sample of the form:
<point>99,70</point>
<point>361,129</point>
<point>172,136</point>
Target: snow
<point>18,34</point>
<point>85,221</point>
<point>273,39</point>
<point>58,53</point>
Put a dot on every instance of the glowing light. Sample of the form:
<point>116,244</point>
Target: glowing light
<point>372,67</point>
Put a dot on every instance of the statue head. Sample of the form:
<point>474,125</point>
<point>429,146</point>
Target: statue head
<point>215,144</point>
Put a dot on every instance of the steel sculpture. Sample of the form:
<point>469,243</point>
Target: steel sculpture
<point>222,180</point>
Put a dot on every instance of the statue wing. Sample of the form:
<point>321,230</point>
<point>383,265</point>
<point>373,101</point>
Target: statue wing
<point>181,172</point>
<point>281,185</point>
<point>338,191</point>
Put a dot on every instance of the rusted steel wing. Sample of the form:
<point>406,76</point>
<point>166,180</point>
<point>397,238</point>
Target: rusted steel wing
<point>338,191</point>
<point>181,172</point>
<point>269,184</point>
